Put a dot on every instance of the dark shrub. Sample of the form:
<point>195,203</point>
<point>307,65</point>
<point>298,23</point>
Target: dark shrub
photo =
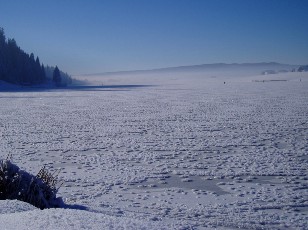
<point>39,190</point>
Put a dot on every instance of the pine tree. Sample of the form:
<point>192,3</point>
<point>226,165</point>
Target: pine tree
<point>2,54</point>
<point>43,73</point>
<point>56,78</point>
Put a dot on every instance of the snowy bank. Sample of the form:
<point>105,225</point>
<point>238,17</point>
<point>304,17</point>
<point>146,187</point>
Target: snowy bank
<point>19,215</point>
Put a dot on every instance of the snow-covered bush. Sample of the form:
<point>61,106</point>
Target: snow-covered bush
<point>39,190</point>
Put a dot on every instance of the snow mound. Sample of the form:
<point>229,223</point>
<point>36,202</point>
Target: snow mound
<point>13,206</point>
<point>19,215</point>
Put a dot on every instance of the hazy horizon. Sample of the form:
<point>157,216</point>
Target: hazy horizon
<point>204,66</point>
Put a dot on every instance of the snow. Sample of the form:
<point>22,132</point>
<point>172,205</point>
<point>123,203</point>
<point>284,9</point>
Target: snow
<point>155,151</point>
<point>64,219</point>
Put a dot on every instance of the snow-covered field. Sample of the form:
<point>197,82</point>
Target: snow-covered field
<point>173,151</point>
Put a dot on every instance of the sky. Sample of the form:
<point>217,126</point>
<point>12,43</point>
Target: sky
<point>93,36</point>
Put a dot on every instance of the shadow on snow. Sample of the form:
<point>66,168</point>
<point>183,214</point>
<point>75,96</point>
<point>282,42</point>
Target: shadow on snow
<point>106,87</point>
<point>73,88</point>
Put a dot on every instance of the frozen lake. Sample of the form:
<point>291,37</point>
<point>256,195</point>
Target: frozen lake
<point>182,151</point>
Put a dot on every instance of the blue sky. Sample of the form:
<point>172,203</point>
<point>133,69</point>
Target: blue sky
<point>90,36</point>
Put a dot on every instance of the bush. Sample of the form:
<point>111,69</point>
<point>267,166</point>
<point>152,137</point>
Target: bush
<point>39,190</point>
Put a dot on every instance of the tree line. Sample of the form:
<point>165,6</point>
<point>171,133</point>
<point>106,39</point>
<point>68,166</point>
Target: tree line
<point>18,67</point>
<point>58,77</point>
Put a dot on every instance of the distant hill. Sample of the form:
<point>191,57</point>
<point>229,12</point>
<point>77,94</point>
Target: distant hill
<point>221,67</point>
